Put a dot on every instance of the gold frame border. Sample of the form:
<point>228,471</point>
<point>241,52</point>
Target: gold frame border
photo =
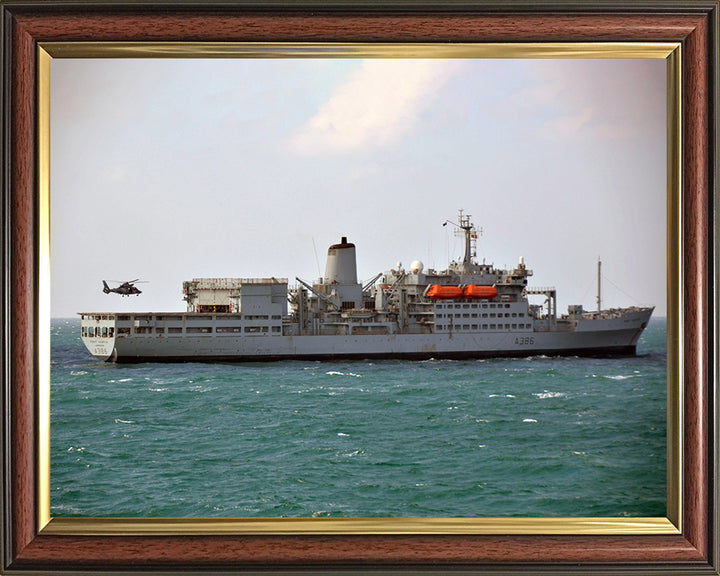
<point>349,526</point>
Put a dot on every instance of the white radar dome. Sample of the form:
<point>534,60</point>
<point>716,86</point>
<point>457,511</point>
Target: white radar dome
<point>416,267</point>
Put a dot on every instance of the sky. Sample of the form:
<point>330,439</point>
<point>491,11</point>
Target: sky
<point>168,170</point>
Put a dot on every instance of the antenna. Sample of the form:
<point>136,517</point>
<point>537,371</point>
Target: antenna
<point>599,276</point>
<point>317,261</point>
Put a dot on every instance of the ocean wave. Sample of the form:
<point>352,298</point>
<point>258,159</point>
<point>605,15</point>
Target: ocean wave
<point>546,394</point>
<point>334,373</point>
<point>501,396</point>
<point>78,373</point>
<point>619,377</point>
<point>119,421</point>
<point>529,420</point>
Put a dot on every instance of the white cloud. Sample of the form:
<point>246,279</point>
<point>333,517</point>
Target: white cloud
<point>600,99</point>
<point>378,104</point>
<point>568,125</point>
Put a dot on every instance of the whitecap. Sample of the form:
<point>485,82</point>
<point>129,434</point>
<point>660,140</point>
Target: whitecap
<point>342,434</point>
<point>334,373</point>
<point>119,421</point>
<point>78,373</point>
<point>529,420</point>
<point>546,394</point>
<point>619,377</point>
<point>157,389</point>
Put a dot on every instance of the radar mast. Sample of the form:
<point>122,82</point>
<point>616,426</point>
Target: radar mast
<point>467,229</point>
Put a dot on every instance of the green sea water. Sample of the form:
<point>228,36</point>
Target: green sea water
<point>538,436</point>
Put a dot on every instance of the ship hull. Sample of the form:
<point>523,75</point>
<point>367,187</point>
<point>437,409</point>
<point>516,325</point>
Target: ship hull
<point>617,336</point>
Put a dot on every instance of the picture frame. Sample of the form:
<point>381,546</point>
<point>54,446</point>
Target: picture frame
<point>684,542</point>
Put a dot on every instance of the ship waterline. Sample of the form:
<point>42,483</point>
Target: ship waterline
<point>470,310</point>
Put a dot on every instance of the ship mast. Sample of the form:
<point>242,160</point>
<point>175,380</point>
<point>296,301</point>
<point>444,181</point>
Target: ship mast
<point>470,233</point>
<point>599,301</point>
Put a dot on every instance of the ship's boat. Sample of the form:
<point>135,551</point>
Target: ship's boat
<point>438,292</point>
<point>484,292</point>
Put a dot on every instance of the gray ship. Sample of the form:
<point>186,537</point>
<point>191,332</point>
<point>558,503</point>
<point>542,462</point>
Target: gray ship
<point>469,310</point>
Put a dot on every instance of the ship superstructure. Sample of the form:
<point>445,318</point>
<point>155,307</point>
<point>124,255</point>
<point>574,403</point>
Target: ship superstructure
<point>469,310</point>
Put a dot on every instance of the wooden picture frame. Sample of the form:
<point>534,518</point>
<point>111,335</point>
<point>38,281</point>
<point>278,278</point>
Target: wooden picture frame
<point>30,545</point>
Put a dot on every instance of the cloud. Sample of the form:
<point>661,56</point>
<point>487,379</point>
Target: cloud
<point>602,99</point>
<point>569,125</point>
<point>377,104</point>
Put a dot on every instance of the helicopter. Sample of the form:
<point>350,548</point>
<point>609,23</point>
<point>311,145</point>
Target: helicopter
<point>125,288</point>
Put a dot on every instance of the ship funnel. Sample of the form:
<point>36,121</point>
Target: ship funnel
<point>341,266</point>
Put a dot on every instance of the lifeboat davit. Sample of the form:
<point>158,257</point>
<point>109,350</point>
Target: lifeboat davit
<point>473,291</point>
<point>444,292</point>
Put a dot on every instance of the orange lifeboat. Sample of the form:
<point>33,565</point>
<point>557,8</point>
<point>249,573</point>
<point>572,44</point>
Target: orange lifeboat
<point>473,291</point>
<point>444,292</point>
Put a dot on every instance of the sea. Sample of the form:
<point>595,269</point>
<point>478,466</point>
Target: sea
<point>528,437</point>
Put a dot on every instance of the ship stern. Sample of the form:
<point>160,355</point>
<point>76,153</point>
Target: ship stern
<point>98,332</point>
